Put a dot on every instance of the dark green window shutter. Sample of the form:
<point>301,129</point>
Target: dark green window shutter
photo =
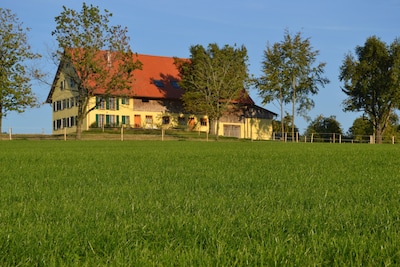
<point>117,120</point>
<point>97,105</point>
<point>123,120</point>
<point>108,104</point>
<point>117,100</point>
<point>107,119</point>
<point>97,120</point>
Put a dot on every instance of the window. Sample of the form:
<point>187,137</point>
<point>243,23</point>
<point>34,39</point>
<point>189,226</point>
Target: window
<point>145,100</point>
<point>111,103</point>
<point>203,121</point>
<point>149,119</point>
<point>165,120</point>
<point>56,125</point>
<point>181,120</point>
<point>71,83</point>
<point>72,121</point>
<point>62,85</point>
<point>100,120</point>
<point>125,120</point>
<point>124,101</point>
<point>175,84</point>
<point>59,105</point>
<point>158,83</point>
<point>72,101</point>
<point>54,106</point>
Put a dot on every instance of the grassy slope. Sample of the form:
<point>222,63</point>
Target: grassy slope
<point>198,203</point>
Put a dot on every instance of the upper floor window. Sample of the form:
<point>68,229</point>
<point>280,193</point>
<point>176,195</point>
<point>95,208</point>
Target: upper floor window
<point>71,83</point>
<point>62,84</point>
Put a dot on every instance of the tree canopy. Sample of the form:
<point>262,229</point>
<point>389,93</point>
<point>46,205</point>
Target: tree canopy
<point>82,37</point>
<point>213,78</point>
<point>372,82</point>
<point>324,127</point>
<point>290,74</point>
<point>15,74</point>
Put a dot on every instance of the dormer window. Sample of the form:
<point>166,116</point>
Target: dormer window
<point>158,83</point>
<point>175,84</point>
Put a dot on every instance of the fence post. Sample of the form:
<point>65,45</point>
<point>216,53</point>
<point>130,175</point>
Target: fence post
<point>393,140</point>
<point>162,134</point>
<point>297,137</point>
<point>312,137</point>
<point>65,134</point>
<point>334,138</point>
<point>122,132</point>
<point>340,138</point>
<point>10,133</point>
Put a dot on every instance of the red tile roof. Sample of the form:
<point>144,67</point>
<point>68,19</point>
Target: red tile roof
<point>157,79</point>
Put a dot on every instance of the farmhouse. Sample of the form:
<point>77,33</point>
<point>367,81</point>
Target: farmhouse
<point>154,101</point>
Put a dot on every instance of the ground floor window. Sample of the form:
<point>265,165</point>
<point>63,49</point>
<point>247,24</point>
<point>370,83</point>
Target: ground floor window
<point>165,120</point>
<point>203,121</point>
<point>149,119</point>
<point>100,120</point>
<point>181,120</point>
<point>125,120</point>
<point>65,123</point>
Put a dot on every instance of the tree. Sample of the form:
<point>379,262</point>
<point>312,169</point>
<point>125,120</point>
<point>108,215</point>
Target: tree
<point>372,82</point>
<point>82,39</point>
<point>213,78</point>
<point>287,125</point>
<point>270,84</point>
<point>324,127</point>
<point>290,74</point>
<point>15,75</point>
<point>362,128</point>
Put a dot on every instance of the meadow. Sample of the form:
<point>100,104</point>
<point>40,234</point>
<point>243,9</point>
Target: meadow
<point>193,203</point>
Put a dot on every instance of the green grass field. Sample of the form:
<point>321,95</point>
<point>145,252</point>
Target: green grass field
<point>181,203</point>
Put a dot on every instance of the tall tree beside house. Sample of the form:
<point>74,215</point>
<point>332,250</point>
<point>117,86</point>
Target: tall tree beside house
<point>290,74</point>
<point>372,82</point>
<point>82,39</point>
<point>213,78</point>
<point>15,74</point>
<point>270,85</point>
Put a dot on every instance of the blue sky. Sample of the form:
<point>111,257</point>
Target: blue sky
<point>169,28</point>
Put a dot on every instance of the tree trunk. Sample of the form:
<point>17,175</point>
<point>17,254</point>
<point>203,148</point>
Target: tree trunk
<point>293,106</point>
<point>1,123</point>
<point>378,134</point>
<point>282,123</point>
<point>217,131</point>
<point>79,129</point>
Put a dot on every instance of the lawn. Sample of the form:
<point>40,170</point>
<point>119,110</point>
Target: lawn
<point>188,203</point>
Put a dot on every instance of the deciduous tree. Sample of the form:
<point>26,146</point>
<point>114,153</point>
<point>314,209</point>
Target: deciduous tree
<point>212,78</point>
<point>372,82</point>
<point>290,74</point>
<point>324,127</point>
<point>15,74</point>
<point>81,37</point>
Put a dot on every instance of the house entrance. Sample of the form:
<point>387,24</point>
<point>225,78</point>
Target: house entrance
<point>138,121</point>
